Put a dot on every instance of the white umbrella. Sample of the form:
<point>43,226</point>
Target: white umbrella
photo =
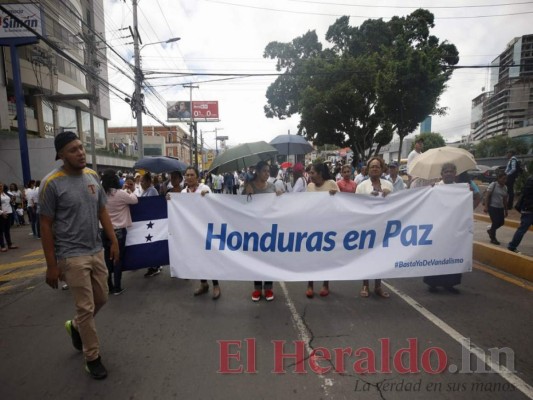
<point>429,164</point>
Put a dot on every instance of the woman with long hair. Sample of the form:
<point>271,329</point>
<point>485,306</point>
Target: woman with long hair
<point>118,207</point>
<point>321,181</point>
<point>194,186</point>
<point>259,184</point>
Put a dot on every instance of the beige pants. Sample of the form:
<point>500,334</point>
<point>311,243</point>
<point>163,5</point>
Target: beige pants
<point>86,277</point>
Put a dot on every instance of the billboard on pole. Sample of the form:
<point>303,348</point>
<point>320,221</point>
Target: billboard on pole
<point>200,110</point>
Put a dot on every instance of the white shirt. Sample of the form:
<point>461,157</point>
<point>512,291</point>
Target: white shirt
<point>410,158</point>
<point>6,204</point>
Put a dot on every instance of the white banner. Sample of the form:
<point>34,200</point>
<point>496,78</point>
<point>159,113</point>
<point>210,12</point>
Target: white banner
<point>316,236</point>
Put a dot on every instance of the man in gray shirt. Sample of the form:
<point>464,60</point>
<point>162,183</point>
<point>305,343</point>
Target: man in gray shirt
<point>72,203</point>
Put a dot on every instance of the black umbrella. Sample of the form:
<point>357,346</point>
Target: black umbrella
<point>160,164</point>
<point>291,144</point>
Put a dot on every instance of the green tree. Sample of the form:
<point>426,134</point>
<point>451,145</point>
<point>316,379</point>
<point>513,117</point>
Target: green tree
<point>414,74</point>
<point>497,146</point>
<point>375,79</point>
<point>432,140</point>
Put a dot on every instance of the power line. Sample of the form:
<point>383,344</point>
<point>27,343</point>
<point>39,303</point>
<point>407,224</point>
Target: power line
<point>396,6</point>
<point>355,16</point>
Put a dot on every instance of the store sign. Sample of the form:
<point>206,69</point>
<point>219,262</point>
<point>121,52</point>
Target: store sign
<point>29,14</point>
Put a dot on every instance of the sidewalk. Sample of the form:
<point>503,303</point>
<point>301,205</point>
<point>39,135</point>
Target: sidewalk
<point>497,256</point>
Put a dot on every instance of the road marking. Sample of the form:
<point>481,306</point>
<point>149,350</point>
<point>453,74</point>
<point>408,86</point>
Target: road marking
<point>303,333</point>
<point>35,253</point>
<point>474,349</point>
<point>19,264</point>
<point>504,277</point>
<point>5,288</point>
<point>22,274</point>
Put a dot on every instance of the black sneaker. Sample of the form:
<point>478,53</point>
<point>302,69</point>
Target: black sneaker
<point>152,272</point>
<point>118,291</point>
<point>74,335</point>
<point>513,250</point>
<point>96,369</point>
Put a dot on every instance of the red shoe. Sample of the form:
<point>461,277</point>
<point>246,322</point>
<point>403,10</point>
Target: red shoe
<point>309,293</point>
<point>324,292</point>
<point>256,295</point>
<point>269,295</point>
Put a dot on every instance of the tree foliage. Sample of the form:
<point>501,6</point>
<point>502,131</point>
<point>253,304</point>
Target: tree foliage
<point>432,140</point>
<point>373,80</point>
<point>497,146</point>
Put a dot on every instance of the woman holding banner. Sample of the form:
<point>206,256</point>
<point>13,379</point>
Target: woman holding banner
<point>448,173</point>
<point>257,185</point>
<point>193,185</point>
<point>321,181</point>
<point>374,186</point>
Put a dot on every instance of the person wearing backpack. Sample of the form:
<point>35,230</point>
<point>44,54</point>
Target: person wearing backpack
<point>512,171</point>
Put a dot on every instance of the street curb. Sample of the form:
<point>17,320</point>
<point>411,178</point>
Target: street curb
<point>508,222</point>
<point>516,264</point>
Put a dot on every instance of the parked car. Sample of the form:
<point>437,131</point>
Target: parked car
<point>491,174</point>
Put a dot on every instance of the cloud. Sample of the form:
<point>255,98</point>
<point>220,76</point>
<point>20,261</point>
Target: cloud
<point>217,36</point>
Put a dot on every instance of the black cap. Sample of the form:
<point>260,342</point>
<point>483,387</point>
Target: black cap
<point>62,139</point>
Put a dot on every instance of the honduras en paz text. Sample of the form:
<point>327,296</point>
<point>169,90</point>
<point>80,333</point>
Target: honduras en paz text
<point>274,240</point>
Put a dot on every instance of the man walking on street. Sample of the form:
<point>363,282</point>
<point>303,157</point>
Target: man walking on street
<point>526,215</point>
<point>72,203</point>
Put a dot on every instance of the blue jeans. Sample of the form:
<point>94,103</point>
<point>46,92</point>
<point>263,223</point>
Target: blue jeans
<point>526,220</point>
<point>114,270</point>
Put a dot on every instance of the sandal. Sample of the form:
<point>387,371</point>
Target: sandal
<point>379,291</point>
<point>324,292</point>
<point>204,288</point>
<point>309,293</point>
<point>364,291</point>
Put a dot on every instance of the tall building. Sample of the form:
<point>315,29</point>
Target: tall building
<point>54,85</point>
<point>507,107</point>
<point>425,125</point>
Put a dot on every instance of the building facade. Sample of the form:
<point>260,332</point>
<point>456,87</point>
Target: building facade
<point>170,141</point>
<point>507,107</point>
<point>56,86</point>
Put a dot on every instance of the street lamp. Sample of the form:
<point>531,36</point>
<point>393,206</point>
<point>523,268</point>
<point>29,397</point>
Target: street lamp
<point>137,102</point>
<point>174,39</point>
<point>217,138</point>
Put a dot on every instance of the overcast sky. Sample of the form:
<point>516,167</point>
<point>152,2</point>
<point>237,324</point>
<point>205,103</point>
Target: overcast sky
<point>230,36</point>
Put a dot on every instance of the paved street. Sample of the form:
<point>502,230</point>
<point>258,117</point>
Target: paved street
<point>160,342</point>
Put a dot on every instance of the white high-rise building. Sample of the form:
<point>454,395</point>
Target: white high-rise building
<point>506,108</point>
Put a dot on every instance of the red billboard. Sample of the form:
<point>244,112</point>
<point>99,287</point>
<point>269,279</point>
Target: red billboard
<point>200,110</point>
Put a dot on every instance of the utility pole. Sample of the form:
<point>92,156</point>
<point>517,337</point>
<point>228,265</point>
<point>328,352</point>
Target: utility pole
<point>92,63</point>
<point>192,127</point>
<point>138,97</point>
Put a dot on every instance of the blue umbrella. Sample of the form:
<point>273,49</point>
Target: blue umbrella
<point>291,144</point>
<point>160,164</point>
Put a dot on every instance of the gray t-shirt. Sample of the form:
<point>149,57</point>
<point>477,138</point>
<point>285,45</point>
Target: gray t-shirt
<point>74,203</point>
<point>270,188</point>
<point>498,194</point>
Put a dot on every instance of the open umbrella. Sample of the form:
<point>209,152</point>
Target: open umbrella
<point>428,165</point>
<point>286,164</point>
<point>242,156</point>
<point>160,164</point>
<point>291,144</point>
